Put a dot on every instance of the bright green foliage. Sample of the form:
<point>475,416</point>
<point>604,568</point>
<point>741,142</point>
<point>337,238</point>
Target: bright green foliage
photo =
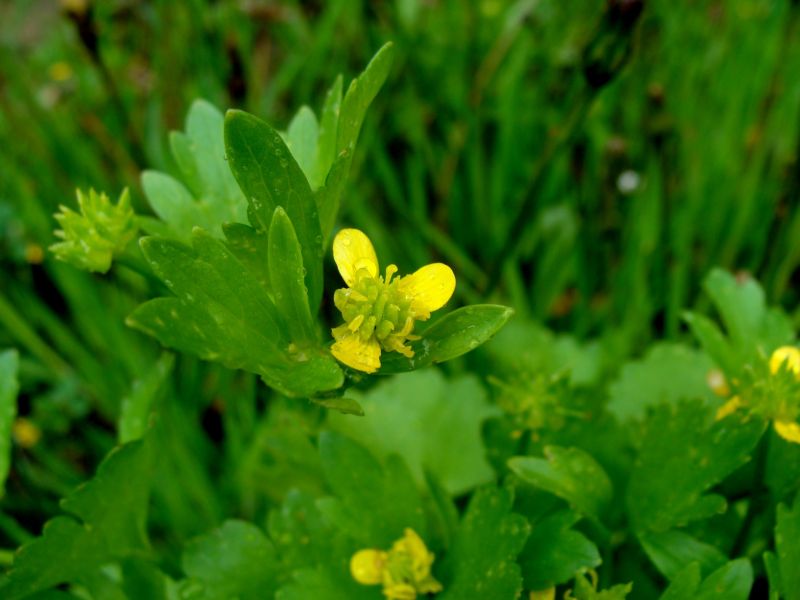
<point>234,561</point>
<point>751,327</point>
<point>667,374</point>
<point>454,334</point>
<point>373,502</point>
<point>482,560</point>
<point>136,407</point>
<point>286,276</point>
<point>555,551</point>
<point>684,453</point>
<point>270,177</point>
<point>415,415</point>
<point>208,195</point>
<point>569,473</point>
<point>732,581</point>
<point>219,313</point>
<point>786,578</point>
<point>360,94</point>
<point>93,237</point>
<point>9,386</point>
<point>585,589</point>
<point>672,551</point>
<point>106,522</point>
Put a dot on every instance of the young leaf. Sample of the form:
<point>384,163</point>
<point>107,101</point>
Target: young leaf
<point>672,551</point>
<point>482,560</point>
<point>301,139</point>
<point>137,405</point>
<point>373,502</point>
<point>359,96</point>
<point>270,177</point>
<point>286,276</point>
<point>208,197</point>
<point>9,386</point>
<point>555,552</point>
<point>220,313</point>
<point>456,333</point>
<point>413,415</point>
<point>569,473</point>
<point>667,374</point>
<point>235,561</point>
<point>732,581</point>
<point>97,531</point>
<point>684,453</point>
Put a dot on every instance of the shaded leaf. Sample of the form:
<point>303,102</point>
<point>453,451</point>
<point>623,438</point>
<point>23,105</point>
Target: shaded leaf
<point>9,387</point>
<point>414,416</point>
<point>569,473</point>
<point>672,551</point>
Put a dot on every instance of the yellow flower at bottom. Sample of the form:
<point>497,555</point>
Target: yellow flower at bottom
<point>404,571</point>
<point>380,312</point>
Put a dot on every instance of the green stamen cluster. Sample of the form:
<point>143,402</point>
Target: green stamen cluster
<point>376,306</point>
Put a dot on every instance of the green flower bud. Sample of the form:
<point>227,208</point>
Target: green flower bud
<point>101,231</point>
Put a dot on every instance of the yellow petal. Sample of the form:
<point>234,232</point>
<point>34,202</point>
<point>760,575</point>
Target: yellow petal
<point>429,288</point>
<point>785,354</point>
<point>353,251</point>
<point>356,353</point>
<point>729,407</point>
<point>788,430</point>
<point>367,566</point>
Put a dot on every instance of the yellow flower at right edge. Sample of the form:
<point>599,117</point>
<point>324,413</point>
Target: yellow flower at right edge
<point>380,312</point>
<point>784,357</point>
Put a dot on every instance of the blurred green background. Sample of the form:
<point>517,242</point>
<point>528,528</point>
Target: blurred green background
<point>581,164</point>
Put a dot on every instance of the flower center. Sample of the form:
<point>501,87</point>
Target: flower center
<point>375,305</point>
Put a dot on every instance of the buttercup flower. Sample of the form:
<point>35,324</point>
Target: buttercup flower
<point>404,571</point>
<point>782,412</point>
<point>380,312</point>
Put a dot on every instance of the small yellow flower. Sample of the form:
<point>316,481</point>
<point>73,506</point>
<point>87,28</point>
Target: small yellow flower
<point>785,357</point>
<point>380,312</point>
<point>404,571</point>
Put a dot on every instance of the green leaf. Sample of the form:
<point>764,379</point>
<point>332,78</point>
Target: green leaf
<point>137,405</point>
<point>235,561</point>
<point>672,551</point>
<point>584,589</point>
<point>209,195</point>
<point>359,96</point>
<point>373,502</point>
<point>270,177</point>
<point>456,333</point>
<point>569,473</point>
<point>220,313</point>
<point>414,416</point>
<point>730,582</point>
<point>106,522</point>
<point>316,554</point>
<point>301,139</point>
<point>684,452</point>
<point>286,276</point>
<point>752,328</point>
<point>684,585</point>
<point>668,373</point>
<point>343,404</point>
<point>328,130</point>
<point>482,560</point>
<point>9,387</point>
<point>251,248</point>
<point>787,549</point>
<point>555,552</point>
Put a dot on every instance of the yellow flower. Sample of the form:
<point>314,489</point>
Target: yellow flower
<point>784,358</point>
<point>380,312</point>
<point>404,571</point>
